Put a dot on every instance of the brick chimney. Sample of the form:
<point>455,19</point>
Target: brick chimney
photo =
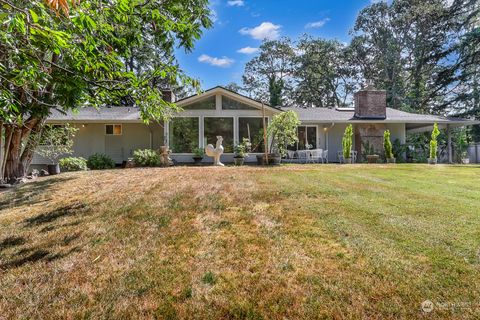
<point>370,103</point>
<point>168,95</point>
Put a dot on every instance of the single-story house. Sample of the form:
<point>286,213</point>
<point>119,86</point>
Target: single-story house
<point>118,131</point>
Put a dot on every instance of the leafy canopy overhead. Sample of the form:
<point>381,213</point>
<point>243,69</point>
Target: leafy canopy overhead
<point>85,53</point>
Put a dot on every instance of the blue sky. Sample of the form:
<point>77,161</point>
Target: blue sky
<point>220,55</point>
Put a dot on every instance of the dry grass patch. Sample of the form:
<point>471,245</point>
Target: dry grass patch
<point>243,243</point>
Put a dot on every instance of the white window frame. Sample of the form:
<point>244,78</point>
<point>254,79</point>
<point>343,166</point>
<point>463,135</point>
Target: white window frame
<point>113,129</point>
<point>306,131</point>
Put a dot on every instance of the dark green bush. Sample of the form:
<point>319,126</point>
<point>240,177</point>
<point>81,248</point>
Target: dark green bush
<point>73,164</point>
<point>100,161</point>
<point>146,158</point>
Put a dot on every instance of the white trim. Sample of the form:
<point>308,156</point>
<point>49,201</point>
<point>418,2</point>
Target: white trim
<point>232,95</point>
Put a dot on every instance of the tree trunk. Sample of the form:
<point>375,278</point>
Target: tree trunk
<point>18,158</point>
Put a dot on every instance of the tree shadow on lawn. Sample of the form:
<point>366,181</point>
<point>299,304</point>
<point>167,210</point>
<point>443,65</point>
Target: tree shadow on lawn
<point>57,249</point>
<point>65,211</point>
<point>29,193</point>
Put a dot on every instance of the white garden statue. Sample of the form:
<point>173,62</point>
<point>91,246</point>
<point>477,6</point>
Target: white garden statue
<point>216,152</point>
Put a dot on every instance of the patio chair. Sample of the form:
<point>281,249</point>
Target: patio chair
<point>316,155</point>
<point>302,156</point>
<point>325,156</point>
<point>340,156</point>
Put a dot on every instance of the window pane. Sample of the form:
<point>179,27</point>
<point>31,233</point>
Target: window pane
<point>183,134</point>
<point>214,127</point>
<point>312,137</point>
<point>206,104</point>
<point>109,129</point>
<point>302,137</point>
<point>117,129</point>
<point>252,129</point>
<point>230,104</point>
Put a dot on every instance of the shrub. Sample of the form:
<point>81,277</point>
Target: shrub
<point>387,145</point>
<point>73,164</point>
<point>198,153</point>
<point>282,131</point>
<point>347,142</point>
<point>146,158</point>
<point>434,142</point>
<point>100,161</point>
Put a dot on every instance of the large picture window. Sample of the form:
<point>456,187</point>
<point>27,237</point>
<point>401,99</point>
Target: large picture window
<point>230,104</point>
<point>183,134</point>
<point>214,127</point>
<point>252,129</point>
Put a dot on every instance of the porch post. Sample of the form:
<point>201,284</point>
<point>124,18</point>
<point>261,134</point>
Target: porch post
<point>449,144</point>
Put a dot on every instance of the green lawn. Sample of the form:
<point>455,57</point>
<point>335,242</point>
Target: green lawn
<point>311,241</point>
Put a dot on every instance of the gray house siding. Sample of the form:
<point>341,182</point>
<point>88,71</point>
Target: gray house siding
<point>91,138</point>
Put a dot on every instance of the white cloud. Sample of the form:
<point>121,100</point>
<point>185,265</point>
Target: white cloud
<point>236,3</point>
<point>266,30</point>
<point>222,62</point>
<point>317,24</point>
<point>247,50</point>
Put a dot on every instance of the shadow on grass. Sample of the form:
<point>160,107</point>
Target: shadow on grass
<point>11,242</point>
<point>65,211</point>
<point>29,193</point>
<point>36,254</point>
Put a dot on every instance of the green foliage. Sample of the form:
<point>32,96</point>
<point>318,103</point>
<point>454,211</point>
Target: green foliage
<point>460,142</point>
<point>325,73</point>
<point>268,76</point>
<point>434,142</point>
<point>73,164</point>
<point>282,131</point>
<point>56,141</point>
<point>101,53</point>
<point>399,150</point>
<point>100,161</point>
<point>241,150</point>
<point>209,278</point>
<point>347,142</point>
<point>198,152</point>
<point>146,158</point>
<point>387,145</point>
<point>367,150</point>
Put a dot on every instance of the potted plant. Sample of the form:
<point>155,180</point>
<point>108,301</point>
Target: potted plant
<point>368,153</point>
<point>461,145</point>
<point>434,145</point>
<point>198,154</point>
<point>387,145</point>
<point>347,144</point>
<point>56,141</point>
<point>282,131</point>
<point>241,150</point>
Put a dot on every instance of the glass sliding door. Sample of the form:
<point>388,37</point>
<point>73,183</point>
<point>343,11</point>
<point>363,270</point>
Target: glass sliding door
<point>307,136</point>
<point>252,129</point>
<point>183,134</point>
<point>219,126</point>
